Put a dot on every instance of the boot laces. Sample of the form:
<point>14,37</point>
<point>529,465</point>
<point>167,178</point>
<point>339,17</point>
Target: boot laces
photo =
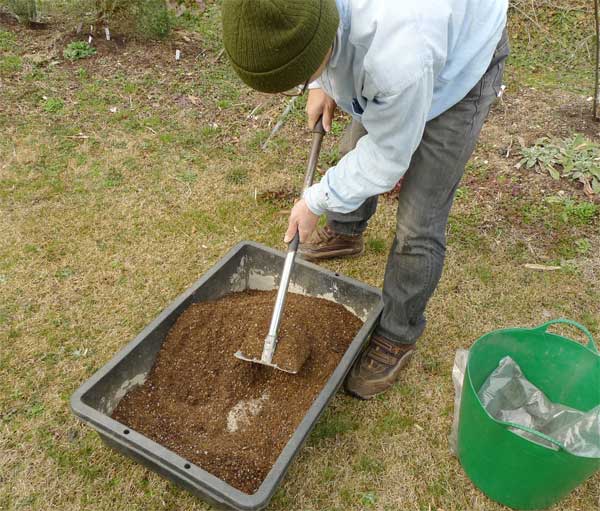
<point>324,234</point>
<point>383,352</point>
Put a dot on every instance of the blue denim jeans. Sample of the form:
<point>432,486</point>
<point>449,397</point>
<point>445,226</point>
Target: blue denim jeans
<point>416,260</point>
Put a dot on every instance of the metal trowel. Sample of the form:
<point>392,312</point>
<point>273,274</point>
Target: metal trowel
<point>295,355</point>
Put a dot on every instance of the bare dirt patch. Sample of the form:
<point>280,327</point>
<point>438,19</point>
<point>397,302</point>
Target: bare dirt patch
<point>228,416</point>
<point>532,113</point>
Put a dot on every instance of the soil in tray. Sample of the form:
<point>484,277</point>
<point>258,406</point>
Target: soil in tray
<point>228,416</point>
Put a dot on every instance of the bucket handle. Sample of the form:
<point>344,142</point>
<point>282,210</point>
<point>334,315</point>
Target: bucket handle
<point>532,432</point>
<point>591,345</point>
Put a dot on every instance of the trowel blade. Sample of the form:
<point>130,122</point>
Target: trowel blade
<point>241,356</point>
<point>290,352</point>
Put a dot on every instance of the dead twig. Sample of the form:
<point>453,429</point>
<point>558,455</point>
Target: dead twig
<point>254,110</point>
<point>541,267</point>
<point>219,55</point>
<point>280,122</point>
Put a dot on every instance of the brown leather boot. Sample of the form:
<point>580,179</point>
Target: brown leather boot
<point>326,244</point>
<point>378,367</point>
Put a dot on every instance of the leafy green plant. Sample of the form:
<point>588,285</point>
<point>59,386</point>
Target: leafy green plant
<point>368,499</point>
<point>541,154</point>
<point>583,246</point>
<point>575,158</point>
<point>78,50</point>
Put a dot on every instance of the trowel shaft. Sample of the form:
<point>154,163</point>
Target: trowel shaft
<point>271,339</point>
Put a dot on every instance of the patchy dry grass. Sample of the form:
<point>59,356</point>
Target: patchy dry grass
<point>125,176</point>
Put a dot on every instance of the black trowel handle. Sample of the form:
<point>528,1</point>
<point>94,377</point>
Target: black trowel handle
<point>313,159</point>
<point>318,127</point>
<point>293,246</point>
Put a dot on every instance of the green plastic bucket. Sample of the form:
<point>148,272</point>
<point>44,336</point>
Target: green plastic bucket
<point>508,468</point>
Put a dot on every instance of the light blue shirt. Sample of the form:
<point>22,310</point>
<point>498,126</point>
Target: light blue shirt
<point>395,65</point>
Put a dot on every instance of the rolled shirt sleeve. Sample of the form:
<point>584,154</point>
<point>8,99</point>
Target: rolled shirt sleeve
<point>395,125</point>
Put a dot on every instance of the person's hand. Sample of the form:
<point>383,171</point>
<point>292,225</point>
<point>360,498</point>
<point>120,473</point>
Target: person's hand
<point>302,219</point>
<point>318,103</point>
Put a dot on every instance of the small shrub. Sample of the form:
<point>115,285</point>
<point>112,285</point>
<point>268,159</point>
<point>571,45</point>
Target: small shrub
<point>149,19</point>
<point>24,10</point>
<point>78,50</point>
<point>153,20</point>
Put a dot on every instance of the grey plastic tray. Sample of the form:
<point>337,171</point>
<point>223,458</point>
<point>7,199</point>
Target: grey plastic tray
<point>247,266</point>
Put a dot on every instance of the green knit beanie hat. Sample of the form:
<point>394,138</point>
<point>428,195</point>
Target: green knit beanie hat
<point>275,45</point>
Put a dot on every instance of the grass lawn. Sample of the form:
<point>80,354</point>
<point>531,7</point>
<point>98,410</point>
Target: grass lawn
<point>126,175</point>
